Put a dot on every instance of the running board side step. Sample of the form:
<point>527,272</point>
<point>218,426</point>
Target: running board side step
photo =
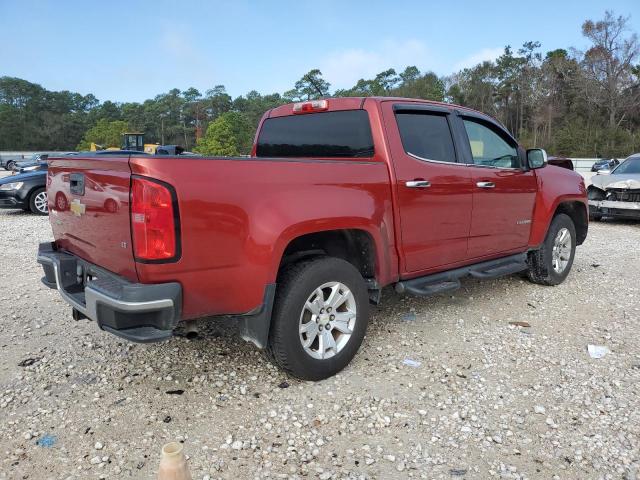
<point>449,281</point>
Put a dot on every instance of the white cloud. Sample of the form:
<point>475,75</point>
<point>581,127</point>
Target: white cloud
<point>189,65</point>
<point>486,54</point>
<point>344,68</point>
<point>177,44</point>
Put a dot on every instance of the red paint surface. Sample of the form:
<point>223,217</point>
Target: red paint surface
<point>101,234</point>
<point>555,186</point>
<point>238,215</point>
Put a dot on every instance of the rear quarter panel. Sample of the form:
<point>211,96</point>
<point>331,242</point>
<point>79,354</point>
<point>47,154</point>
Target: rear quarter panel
<point>556,185</point>
<point>238,216</point>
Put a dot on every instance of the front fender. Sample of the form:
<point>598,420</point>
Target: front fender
<point>555,186</point>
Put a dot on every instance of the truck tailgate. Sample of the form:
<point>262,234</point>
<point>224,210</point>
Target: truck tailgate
<point>89,210</point>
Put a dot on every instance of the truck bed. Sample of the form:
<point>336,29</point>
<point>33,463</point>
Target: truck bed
<point>236,215</point>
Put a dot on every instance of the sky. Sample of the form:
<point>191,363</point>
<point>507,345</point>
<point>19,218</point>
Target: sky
<point>133,50</point>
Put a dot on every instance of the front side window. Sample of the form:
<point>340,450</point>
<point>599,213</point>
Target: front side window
<point>490,149</point>
<point>339,134</point>
<point>426,135</point>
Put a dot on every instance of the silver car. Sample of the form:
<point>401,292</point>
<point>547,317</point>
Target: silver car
<point>616,193</point>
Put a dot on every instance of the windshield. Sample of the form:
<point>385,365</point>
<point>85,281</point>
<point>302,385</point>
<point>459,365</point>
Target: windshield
<point>629,166</point>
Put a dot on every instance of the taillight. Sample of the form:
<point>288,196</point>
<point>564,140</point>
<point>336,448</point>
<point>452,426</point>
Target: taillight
<point>311,106</point>
<point>153,221</point>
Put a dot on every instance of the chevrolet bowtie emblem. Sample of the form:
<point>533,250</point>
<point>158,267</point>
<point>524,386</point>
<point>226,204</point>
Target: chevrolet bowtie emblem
<point>77,208</point>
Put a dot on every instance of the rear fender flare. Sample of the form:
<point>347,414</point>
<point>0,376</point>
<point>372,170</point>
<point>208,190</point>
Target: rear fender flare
<point>379,235</point>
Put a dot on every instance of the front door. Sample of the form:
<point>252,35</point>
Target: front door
<point>503,192</point>
<point>433,187</point>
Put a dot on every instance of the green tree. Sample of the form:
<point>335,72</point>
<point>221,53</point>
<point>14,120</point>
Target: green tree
<point>610,67</point>
<point>311,86</point>
<point>410,74</point>
<point>428,87</point>
<point>227,135</point>
<point>217,101</point>
<point>386,81</point>
<point>570,102</point>
<point>475,87</point>
<point>254,105</point>
<point>104,133</point>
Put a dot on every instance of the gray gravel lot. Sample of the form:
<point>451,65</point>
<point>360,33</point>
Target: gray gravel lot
<point>488,400</point>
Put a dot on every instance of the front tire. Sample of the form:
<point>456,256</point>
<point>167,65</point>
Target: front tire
<point>38,202</point>
<point>320,317</point>
<point>551,263</point>
<point>9,165</point>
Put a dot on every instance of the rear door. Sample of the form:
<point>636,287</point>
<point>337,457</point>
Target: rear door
<point>433,187</point>
<point>503,192</point>
<point>89,210</point>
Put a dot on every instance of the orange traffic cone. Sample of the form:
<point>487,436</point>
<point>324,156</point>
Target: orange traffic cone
<point>173,464</point>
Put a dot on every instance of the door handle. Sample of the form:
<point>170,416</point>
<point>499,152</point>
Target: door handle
<point>418,184</point>
<point>486,184</point>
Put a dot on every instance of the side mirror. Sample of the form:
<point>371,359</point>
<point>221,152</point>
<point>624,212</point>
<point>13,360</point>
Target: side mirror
<point>536,157</point>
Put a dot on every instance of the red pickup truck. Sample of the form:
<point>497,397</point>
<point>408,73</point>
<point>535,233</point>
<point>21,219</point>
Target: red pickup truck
<point>339,198</point>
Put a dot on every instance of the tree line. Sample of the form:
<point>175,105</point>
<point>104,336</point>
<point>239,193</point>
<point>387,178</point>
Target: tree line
<point>571,102</point>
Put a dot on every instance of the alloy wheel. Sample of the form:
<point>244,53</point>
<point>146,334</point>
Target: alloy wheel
<point>561,253</point>
<point>41,202</point>
<point>327,320</point>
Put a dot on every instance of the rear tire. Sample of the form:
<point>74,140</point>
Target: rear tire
<point>551,263</point>
<point>9,165</point>
<point>38,202</point>
<point>299,340</point>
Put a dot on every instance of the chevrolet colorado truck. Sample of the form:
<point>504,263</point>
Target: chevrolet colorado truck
<point>340,198</point>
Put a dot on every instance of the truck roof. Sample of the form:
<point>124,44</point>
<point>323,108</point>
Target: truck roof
<point>349,103</point>
<point>354,103</point>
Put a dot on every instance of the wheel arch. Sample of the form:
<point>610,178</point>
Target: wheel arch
<point>575,207</point>
<point>32,189</point>
<point>354,245</point>
<point>579,215</point>
<point>31,197</point>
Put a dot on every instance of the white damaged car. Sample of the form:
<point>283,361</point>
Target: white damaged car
<point>616,193</point>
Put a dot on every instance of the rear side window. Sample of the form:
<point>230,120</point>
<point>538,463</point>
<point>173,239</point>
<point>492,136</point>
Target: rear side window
<point>344,133</point>
<point>426,136</point>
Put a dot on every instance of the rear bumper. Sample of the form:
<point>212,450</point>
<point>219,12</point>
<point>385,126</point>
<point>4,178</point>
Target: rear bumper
<point>134,311</point>
<point>615,208</point>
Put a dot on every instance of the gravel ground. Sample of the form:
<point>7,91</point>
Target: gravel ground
<point>487,400</point>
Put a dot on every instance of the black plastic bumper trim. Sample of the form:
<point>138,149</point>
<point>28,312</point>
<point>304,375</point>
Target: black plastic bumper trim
<point>134,311</point>
<point>254,327</point>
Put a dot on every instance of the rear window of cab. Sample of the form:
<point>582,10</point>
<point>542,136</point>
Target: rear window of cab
<point>339,134</point>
